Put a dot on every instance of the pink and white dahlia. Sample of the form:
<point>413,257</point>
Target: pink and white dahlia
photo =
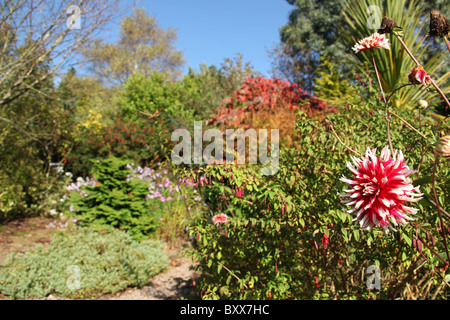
<point>419,76</point>
<point>379,189</point>
<point>220,218</point>
<point>375,41</point>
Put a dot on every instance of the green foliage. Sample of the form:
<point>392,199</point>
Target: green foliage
<point>330,86</point>
<point>273,244</point>
<point>310,33</point>
<point>31,131</point>
<point>152,93</point>
<point>91,104</point>
<point>116,200</point>
<point>107,261</point>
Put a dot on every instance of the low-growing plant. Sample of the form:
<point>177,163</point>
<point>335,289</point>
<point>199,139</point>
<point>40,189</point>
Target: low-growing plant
<point>82,263</point>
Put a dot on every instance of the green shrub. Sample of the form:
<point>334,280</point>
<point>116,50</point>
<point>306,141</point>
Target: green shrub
<point>115,200</point>
<point>82,263</point>
<point>149,94</point>
<point>139,141</point>
<point>288,236</point>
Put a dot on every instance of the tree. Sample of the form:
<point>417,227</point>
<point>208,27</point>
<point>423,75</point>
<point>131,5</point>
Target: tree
<point>310,32</point>
<point>32,32</point>
<point>313,31</point>
<point>143,46</point>
<point>205,90</point>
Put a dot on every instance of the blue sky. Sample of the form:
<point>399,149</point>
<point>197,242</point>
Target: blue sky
<point>211,30</point>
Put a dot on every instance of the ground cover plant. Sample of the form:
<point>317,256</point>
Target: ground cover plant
<point>82,263</point>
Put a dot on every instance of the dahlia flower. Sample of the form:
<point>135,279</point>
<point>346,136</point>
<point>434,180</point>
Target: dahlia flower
<point>220,218</point>
<point>419,76</point>
<point>380,188</point>
<point>376,40</point>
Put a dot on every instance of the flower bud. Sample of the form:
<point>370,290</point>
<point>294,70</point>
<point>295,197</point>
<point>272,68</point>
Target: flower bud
<point>443,147</point>
<point>423,104</point>
<point>419,76</point>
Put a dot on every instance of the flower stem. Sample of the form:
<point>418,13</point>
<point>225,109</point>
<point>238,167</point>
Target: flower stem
<point>444,236</point>
<point>355,152</point>
<point>409,125</point>
<point>386,103</point>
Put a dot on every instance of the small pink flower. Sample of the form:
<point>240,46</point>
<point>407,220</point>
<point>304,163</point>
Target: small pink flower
<point>220,218</point>
<point>376,40</point>
<point>419,76</point>
<point>380,186</point>
<point>239,192</point>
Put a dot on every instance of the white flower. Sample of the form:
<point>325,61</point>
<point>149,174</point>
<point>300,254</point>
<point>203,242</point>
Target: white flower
<point>376,40</point>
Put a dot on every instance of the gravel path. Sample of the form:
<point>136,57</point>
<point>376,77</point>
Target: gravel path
<point>175,283</point>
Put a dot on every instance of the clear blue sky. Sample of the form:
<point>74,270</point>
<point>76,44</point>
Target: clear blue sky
<point>211,30</point>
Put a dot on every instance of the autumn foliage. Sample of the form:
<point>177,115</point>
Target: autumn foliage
<point>268,103</point>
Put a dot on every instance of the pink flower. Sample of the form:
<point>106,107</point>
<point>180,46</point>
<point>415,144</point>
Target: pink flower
<point>239,192</point>
<point>419,76</point>
<point>376,40</point>
<point>220,218</point>
<point>380,187</point>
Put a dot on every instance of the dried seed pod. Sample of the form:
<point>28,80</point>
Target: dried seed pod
<point>419,245</point>
<point>387,25</point>
<point>433,241</point>
<point>428,236</point>
<point>439,26</point>
<point>414,243</point>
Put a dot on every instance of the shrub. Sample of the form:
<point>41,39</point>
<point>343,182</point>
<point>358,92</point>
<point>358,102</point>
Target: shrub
<point>289,237</point>
<point>115,199</point>
<point>107,260</point>
<point>144,201</point>
<point>268,104</point>
<point>151,94</point>
<point>139,141</point>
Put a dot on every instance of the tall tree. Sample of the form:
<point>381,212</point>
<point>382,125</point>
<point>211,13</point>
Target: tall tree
<point>313,31</point>
<point>36,31</point>
<point>310,32</point>
<point>143,46</point>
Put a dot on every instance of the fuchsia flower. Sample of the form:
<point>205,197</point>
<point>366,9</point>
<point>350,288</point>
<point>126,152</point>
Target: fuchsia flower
<point>380,187</point>
<point>419,76</point>
<point>375,41</point>
<point>325,241</point>
<point>220,218</point>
